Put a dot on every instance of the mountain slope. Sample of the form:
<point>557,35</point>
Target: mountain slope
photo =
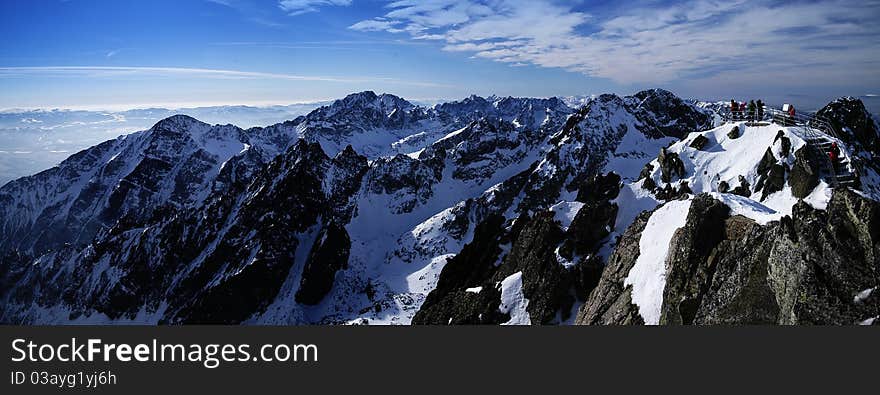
<point>175,164</point>
<point>486,210</point>
<point>766,240</point>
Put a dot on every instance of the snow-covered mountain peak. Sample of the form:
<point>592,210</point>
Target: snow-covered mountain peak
<point>368,100</point>
<point>372,210</point>
<point>181,124</point>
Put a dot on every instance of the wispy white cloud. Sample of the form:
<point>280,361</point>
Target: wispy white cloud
<point>376,25</point>
<point>250,12</point>
<point>123,71</point>
<point>297,7</point>
<point>836,41</point>
<point>221,2</point>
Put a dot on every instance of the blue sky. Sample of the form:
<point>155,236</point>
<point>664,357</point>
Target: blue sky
<point>122,54</point>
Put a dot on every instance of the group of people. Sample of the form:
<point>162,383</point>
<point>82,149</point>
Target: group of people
<point>753,111</point>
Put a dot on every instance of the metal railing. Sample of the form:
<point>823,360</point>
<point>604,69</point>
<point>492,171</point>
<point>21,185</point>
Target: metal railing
<point>812,127</point>
<point>783,118</point>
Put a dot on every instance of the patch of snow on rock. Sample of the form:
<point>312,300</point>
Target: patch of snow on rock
<point>648,276</point>
<point>862,296</point>
<point>564,212</point>
<point>513,302</point>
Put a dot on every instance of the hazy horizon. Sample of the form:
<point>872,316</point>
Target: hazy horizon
<point>872,103</point>
<point>110,54</point>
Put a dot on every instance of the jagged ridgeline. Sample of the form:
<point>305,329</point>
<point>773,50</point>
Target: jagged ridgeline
<point>373,210</point>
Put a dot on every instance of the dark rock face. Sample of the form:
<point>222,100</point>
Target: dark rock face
<point>249,278</point>
<point>699,142</point>
<point>733,133</point>
<point>848,114</point>
<point>533,244</point>
<point>474,266</point>
<point>545,282</point>
<point>593,222</point>
<point>404,177</point>
<point>804,175</point>
<point>688,260</point>
<point>649,184</point>
<point>743,189</point>
<point>668,193</point>
<point>610,303</point>
<point>670,165</point>
<point>668,115</point>
<point>590,226</point>
<point>600,187</point>
<point>221,263</point>
<point>805,269</point>
<point>754,302</point>
<point>771,175</point>
<point>343,179</point>
<point>800,271</point>
<point>328,255</point>
<point>646,171</point>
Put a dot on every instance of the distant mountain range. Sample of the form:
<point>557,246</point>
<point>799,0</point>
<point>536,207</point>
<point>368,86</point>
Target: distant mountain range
<point>35,140</point>
<point>374,210</point>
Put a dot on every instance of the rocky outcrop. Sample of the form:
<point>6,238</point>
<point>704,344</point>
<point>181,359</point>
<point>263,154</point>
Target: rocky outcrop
<point>610,303</point>
<point>669,192</point>
<point>771,175</point>
<point>800,270</point>
<point>546,283</point>
<point>593,222</point>
<point>408,180</point>
<point>733,133</point>
<point>699,142</point>
<point>665,114</point>
<point>689,266</point>
<point>599,188</point>
<point>810,268</point>
<point>328,255</point>
<point>473,268</point>
<point>804,175</point>
<point>743,189</point>
<point>670,165</point>
<point>558,265</point>
<point>848,115</point>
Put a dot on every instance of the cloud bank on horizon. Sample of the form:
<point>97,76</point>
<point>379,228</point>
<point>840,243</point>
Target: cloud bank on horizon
<point>655,42</point>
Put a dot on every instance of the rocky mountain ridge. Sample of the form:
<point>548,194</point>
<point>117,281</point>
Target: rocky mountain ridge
<point>373,210</point>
